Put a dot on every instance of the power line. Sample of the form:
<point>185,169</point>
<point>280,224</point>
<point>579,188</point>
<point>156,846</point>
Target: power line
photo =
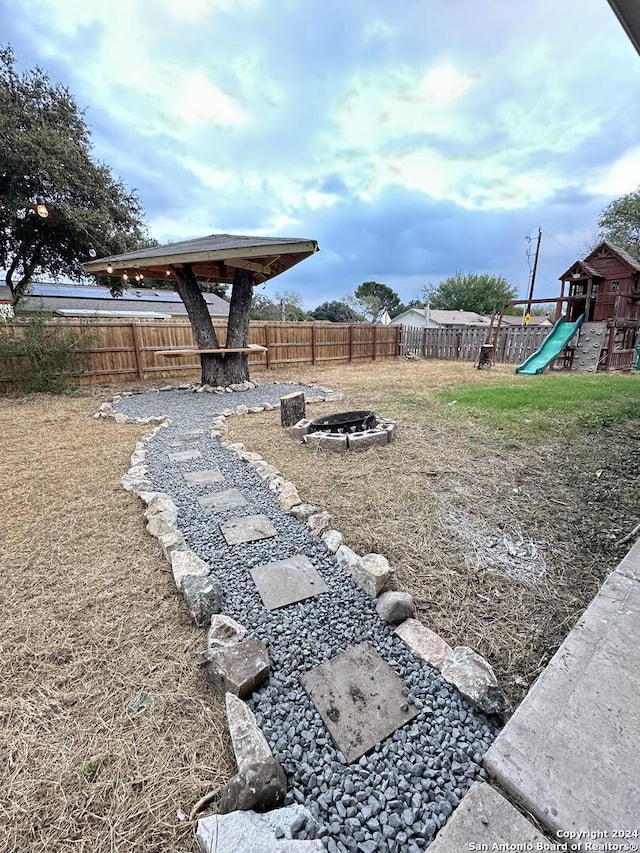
<point>562,246</point>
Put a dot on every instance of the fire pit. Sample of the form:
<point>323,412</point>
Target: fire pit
<point>358,430</point>
<point>344,422</point>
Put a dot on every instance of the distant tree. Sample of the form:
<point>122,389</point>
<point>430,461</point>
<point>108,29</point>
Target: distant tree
<point>290,304</point>
<point>284,306</point>
<point>373,299</point>
<point>263,308</point>
<point>45,153</point>
<point>619,223</point>
<point>477,292</point>
<point>336,312</point>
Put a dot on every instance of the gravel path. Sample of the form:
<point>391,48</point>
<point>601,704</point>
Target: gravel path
<point>399,795</point>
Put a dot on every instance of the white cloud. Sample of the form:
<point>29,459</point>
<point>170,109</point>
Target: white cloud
<point>443,85</point>
<point>198,101</point>
<point>621,177</point>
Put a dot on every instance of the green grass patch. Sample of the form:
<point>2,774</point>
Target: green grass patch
<point>545,399</point>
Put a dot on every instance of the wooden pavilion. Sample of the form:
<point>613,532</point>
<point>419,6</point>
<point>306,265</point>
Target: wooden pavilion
<point>240,261</point>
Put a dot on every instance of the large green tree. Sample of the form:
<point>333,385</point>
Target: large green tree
<point>373,299</point>
<point>619,223</point>
<point>470,291</point>
<point>46,153</point>
<point>336,312</point>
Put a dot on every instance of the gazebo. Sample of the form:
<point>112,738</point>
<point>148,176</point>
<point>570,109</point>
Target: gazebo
<point>240,261</point>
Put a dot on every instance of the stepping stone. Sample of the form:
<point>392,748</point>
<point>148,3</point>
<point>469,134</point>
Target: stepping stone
<point>248,528</point>
<point>287,581</point>
<point>184,455</point>
<point>184,442</point>
<point>203,478</point>
<point>359,698</point>
<point>221,501</point>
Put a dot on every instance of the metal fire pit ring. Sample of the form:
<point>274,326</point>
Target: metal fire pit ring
<point>345,422</point>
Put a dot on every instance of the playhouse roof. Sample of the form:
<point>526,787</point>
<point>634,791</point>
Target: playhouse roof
<point>212,258</point>
<point>592,271</point>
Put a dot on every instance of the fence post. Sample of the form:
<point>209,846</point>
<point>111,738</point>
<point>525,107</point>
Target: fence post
<point>350,343</point>
<point>267,339</point>
<point>398,339</point>
<point>313,343</point>
<point>135,329</point>
<point>375,335</point>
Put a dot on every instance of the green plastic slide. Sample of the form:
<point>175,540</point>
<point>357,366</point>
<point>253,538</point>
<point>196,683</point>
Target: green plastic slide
<point>551,347</point>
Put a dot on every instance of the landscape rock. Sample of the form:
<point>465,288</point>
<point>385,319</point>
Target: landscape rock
<point>250,456</point>
<point>249,744</point>
<point>161,523</point>
<point>333,539</point>
<point>161,503</point>
<point>185,563</point>
<point>170,542</point>
<point>424,642</point>
<point>319,522</point>
<point>303,511</point>
<point>259,787</point>
<point>240,668</point>
<point>203,596</point>
<point>474,677</point>
<point>242,410</point>
<point>395,607</point>
<point>264,469</point>
<point>249,832</point>
<point>288,497</point>
<point>224,631</point>
<point>255,409</point>
<point>373,574</point>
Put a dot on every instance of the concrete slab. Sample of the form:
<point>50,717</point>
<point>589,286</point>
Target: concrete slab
<point>359,698</point>
<point>570,752</point>
<point>248,528</point>
<point>221,501</point>
<point>203,478</point>
<point>485,820</point>
<point>630,566</point>
<point>284,582</point>
<point>184,455</point>
<point>188,441</point>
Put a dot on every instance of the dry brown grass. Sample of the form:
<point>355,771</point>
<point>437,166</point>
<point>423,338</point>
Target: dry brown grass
<point>394,500</point>
<point>90,622</point>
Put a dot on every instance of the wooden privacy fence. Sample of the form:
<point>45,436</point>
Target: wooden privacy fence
<point>126,349</point>
<point>515,343</point>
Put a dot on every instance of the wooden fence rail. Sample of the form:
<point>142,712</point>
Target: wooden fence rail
<point>515,343</point>
<point>126,349</point>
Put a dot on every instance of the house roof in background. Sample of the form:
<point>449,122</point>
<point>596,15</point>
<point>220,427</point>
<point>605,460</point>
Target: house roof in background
<point>215,257</point>
<point>85,300</point>
<point>457,318</point>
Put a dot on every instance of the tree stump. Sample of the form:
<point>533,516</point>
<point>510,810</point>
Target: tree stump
<point>292,408</point>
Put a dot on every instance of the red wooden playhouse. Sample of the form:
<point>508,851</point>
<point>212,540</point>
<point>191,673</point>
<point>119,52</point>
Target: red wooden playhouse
<point>599,328</point>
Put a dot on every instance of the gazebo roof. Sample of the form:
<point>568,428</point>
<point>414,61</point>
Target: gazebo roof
<point>212,258</point>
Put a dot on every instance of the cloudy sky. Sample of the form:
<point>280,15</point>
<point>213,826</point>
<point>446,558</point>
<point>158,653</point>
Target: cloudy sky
<point>411,138</point>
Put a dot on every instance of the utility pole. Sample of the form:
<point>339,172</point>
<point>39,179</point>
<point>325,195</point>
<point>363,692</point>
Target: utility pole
<point>532,281</point>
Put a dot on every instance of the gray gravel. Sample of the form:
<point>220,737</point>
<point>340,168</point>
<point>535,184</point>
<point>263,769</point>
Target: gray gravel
<point>399,795</point>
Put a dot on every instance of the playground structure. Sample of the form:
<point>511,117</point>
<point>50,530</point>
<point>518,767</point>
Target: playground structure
<point>599,327</point>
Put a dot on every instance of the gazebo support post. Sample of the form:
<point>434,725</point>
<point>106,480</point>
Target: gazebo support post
<point>236,365</point>
<point>218,369</point>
